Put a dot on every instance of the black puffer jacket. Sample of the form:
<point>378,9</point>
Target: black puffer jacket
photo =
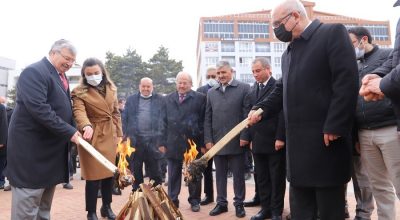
<point>372,115</point>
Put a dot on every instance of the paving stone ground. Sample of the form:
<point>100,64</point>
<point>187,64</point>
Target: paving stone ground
<point>70,204</point>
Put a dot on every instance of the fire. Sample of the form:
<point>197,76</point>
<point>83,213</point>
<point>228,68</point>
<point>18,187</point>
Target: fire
<point>190,154</point>
<point>125,150</point>
<point>188,157</point>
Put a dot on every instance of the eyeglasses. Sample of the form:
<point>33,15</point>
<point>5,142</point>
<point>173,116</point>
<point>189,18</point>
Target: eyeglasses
<point>277,23</point>
<point>211,76</point>
<point>68,59</point>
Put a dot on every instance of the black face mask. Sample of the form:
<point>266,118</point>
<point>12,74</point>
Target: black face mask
<point>282,34</point>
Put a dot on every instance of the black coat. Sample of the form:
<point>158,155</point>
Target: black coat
<point>204,89</point>
<point>318,93</point>
<point>372,115</point>
<point>390,84</point>
<point>130,121</point>
<point>184,121</point>
<point>40,130</point>
<point>3,130</point>
<point>264,134</point>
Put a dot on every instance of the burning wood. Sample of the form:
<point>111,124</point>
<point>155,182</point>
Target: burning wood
<point>196,168</point>
<point>188,157</point>
<point>125,177</point>
<point>149,203</point>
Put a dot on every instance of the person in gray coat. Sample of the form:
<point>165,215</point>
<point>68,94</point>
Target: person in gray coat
<point>226,108</point>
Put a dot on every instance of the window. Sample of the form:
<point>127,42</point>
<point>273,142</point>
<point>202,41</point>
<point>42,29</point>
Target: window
<point>279,47</point>
<point>218,29</point>
<point>245,47</point>
<point>247,78</point>
<point>245,61</point>
<point>253,30</point>
<point>378,32</point>
<point>211,61</point>
<point>227,46</point>
<point>277,62</point>
<point>263,47</point>
<point>230,59</point>
<point>211,47</point>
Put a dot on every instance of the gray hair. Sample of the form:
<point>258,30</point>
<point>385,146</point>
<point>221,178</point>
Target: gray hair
<point>210,68</point>
<point>180,74</point>
<point>224,63</point>
<point>146,79</point>
<point>294,5</point>
<point>60,44</point>
<point>264,62</point>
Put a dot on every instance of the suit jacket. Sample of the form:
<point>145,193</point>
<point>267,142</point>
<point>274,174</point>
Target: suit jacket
<point>91,108</point>
<point>224,110</point>
<point>184,121</point>
<point>204,89</point>
<point>130,121</point>
<point>264,134</point>
<point>40,129</point>
<point>318,92</point>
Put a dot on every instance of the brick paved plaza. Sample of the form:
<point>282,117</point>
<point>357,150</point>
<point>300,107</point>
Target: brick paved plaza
<point>70,204</point>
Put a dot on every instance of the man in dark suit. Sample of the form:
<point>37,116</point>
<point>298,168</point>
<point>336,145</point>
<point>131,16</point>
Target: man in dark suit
<point>208,175</point>
<point>142,122</point>
<point>40,132</point>
<point>318,93</point>
<point>267,140</point>
<point>185,121</point>
<point>226,108</point>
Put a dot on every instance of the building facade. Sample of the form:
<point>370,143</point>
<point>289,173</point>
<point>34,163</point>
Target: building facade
<point>240,38</point>
<point>6,68</point>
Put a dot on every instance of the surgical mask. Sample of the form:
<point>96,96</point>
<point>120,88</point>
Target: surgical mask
<point>212,82</point>
<point>282,34</point>
<point>359,52</point>
<point>94,80</point>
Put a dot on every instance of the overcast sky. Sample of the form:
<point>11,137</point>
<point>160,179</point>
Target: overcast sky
<point>28,28</point>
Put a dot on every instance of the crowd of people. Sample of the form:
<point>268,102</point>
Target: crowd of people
<point>332,117</point>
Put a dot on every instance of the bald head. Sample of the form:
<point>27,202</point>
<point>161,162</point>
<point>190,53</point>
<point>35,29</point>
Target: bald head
<point>183,82</point>
<point>146,86</point>
<point>3,100</point>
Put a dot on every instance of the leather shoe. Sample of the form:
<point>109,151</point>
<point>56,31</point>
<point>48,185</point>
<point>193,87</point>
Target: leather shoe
<point>261,215</point>
<point>92,216</point>
<point>276,217</point>
<point>68,186</point>
<point>106,211</point>
<point>218,209</point>
<point>207,200</point>
<point>195,208</point>
<point>116,191</point>
<point>254,202</point>
<point>240,212</point>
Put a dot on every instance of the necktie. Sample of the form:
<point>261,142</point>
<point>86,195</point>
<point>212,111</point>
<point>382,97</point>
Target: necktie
<point>181,97</point>
<point>64,81</point>
<point>261,86</point>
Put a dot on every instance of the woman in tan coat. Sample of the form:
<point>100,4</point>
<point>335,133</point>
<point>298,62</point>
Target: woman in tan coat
<point>95,108</point>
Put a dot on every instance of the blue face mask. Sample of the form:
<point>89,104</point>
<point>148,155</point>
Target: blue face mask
<point>359,52</point>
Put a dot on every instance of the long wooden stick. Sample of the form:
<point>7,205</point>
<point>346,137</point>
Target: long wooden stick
<point>97,155</point>
<point>228,137</point>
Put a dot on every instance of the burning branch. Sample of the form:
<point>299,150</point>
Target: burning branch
<point>188,157</point>
<point>125,177</point>
<point>197,167</point>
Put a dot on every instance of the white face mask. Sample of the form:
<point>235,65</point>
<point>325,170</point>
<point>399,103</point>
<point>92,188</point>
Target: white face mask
<point>359,52</point>
<point>94,80</point>
<point>212,82</point>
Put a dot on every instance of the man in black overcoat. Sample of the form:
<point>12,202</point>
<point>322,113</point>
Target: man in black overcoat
<point>318,94</point>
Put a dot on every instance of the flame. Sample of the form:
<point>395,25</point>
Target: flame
<point>125,150</point>
<point>190,154</point>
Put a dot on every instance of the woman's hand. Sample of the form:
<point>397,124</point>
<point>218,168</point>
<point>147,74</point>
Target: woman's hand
<point>87,132</point>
